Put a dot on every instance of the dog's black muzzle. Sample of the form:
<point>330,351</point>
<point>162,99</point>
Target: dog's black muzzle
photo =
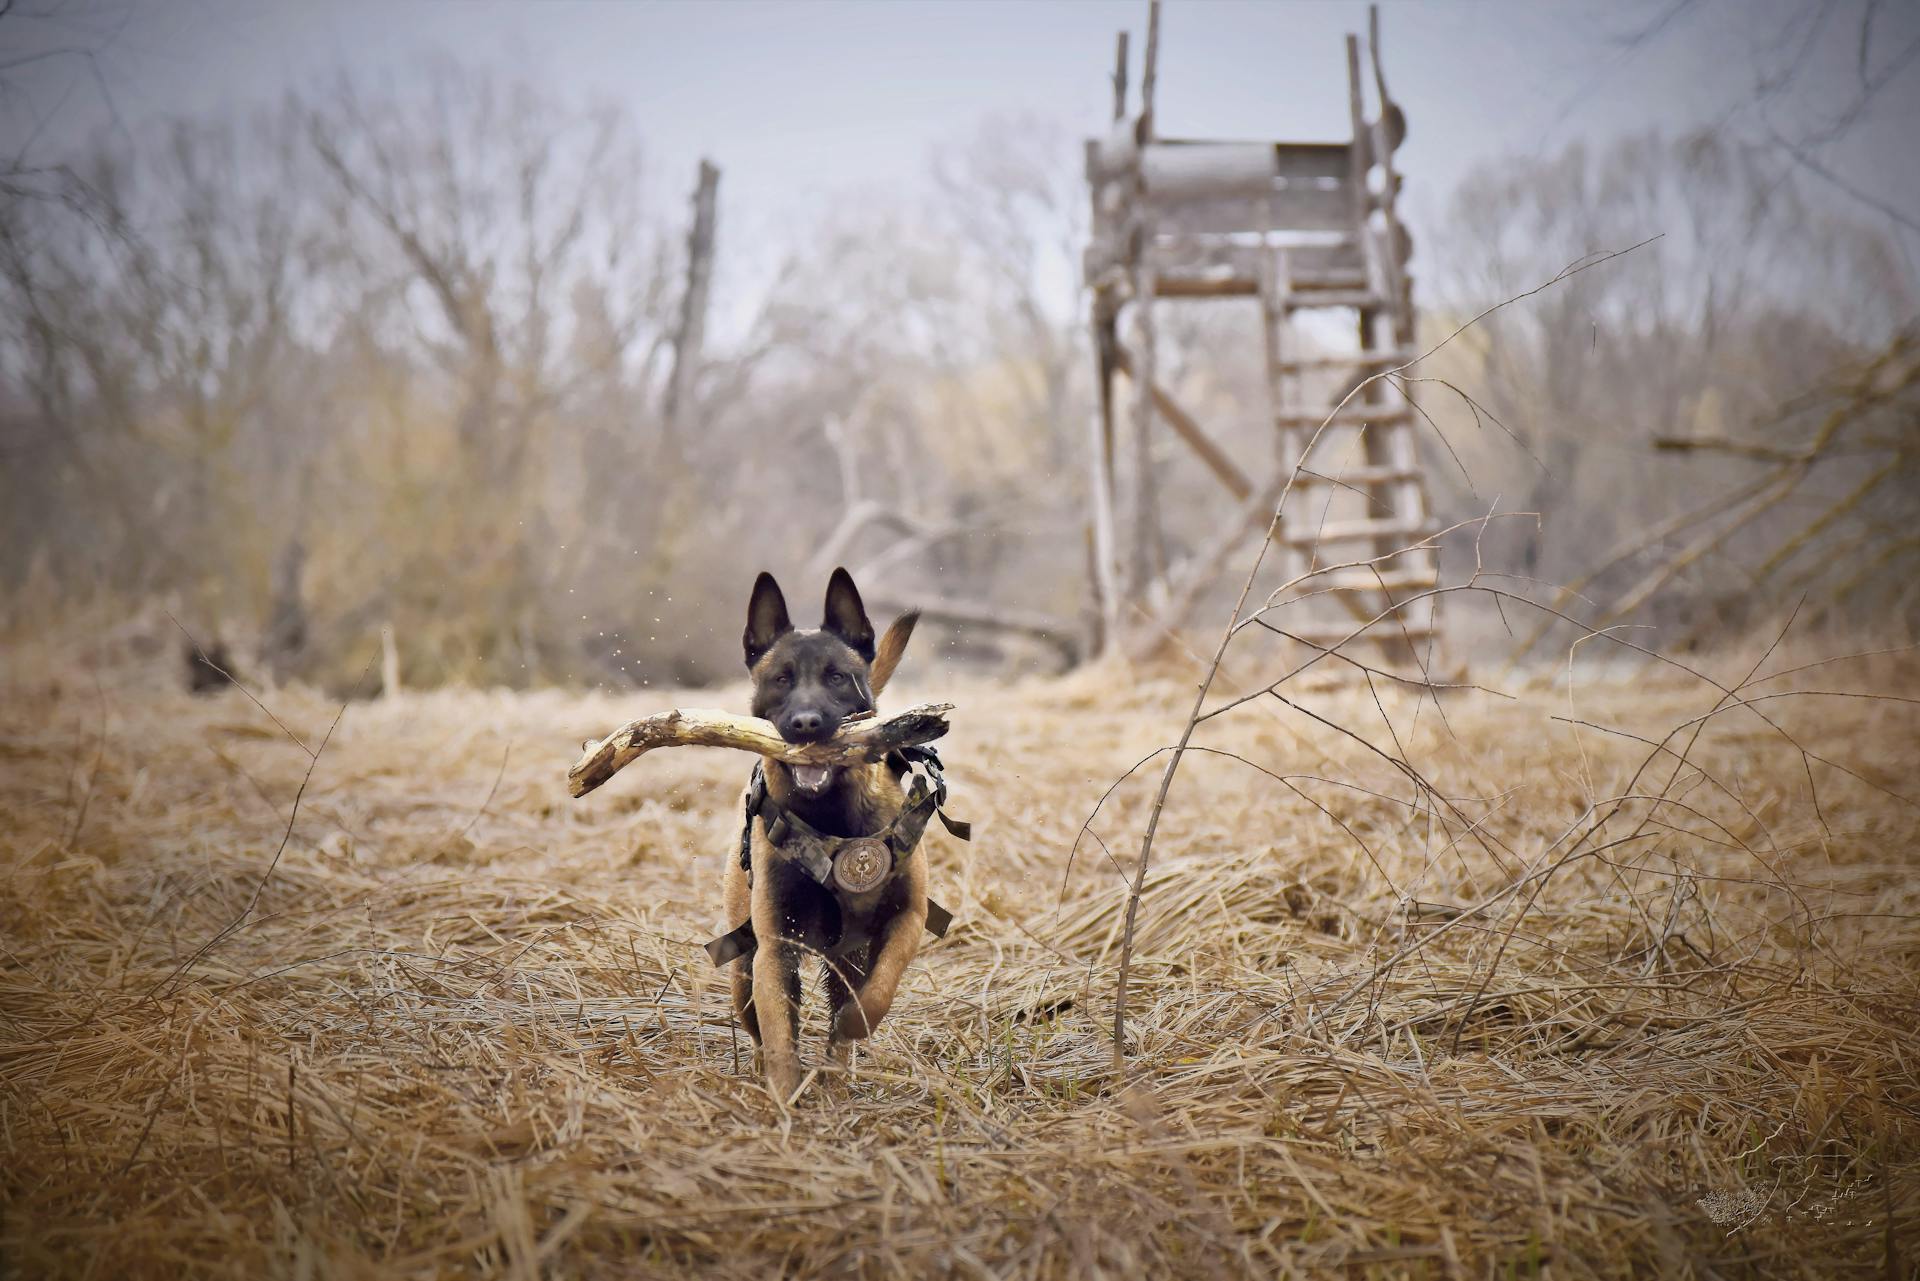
<point>808,725</point>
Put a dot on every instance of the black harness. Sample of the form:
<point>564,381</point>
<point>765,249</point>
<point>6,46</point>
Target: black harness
<point>847,866</point>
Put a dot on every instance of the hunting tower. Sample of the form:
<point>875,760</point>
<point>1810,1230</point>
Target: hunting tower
<point>1300,227</point>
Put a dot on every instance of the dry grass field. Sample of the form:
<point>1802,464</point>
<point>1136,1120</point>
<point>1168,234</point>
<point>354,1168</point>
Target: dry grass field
<point>1542,998</point>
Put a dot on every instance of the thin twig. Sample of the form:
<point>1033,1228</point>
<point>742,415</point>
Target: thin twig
<point>1234,622</point>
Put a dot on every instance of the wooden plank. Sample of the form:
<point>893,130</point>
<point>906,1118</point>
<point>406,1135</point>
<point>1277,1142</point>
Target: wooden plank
<point>1357,117</point>
<point>1205,267</point>
<point>1346,531</point>
<point>1291,161</point>
<point>1251,518</point>
<point>1149,73</point>
<point>1145,561</point>
<point>1201,286</point>
<point>1211,170</point>
<point>1299,161</point>
<point>1354,278</point>
<point>1355,476</point>
<point>1207,171</point>
<point>1332,282</point>
<point>1336,266</point>
<point>1384,358</point>
<point>1217,460</point>
<point>1333,298</point>
<point>1393,121</point>
<point>1282,209</point>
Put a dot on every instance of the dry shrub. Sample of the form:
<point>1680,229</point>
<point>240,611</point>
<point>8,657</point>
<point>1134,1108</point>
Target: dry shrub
<point>1375,1029</point>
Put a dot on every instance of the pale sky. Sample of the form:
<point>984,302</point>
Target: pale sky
<point>806,104</point>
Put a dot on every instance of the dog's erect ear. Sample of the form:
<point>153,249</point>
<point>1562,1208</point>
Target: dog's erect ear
<point>846,616</point>
<point>767,619</point>
<point>893,646</point>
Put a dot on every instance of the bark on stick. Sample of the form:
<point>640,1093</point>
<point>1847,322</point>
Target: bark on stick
<point>858,741</point>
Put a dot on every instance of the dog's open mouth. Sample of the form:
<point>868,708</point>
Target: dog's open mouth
<point>811,778</point>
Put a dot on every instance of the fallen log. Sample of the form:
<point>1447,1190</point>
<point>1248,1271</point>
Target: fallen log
<point>858,741</point>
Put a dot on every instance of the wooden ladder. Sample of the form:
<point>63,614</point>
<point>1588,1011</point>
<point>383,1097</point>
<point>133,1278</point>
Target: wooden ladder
<point>1303,227</point>
<point>1369,557</point>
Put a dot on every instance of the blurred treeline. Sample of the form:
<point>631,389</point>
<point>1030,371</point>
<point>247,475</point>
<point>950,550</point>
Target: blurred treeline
<point>1712,427</point>
<point>401,359</point>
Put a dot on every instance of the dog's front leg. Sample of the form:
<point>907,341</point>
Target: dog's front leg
<point>739,908</point>
<point>859,1016</point>
<point>776,984</point>
<point>776,999</point>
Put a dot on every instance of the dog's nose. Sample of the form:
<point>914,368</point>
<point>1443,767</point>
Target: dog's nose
<point>805,725</point>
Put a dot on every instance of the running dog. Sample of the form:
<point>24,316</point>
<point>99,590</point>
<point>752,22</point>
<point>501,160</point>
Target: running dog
<point>803,819</point>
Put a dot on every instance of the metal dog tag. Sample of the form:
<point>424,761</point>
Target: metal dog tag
<point>862,864</point>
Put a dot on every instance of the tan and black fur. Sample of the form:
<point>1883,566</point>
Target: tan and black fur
<point>807,683</point>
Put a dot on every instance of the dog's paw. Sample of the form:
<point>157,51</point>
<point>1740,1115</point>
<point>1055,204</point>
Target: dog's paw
<point>783,1077</point>
<point>854,1023</point>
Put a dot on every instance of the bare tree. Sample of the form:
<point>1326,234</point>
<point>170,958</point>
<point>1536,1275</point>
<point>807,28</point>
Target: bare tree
<point>941,351</point>
<point>149,330</point>
<point>1751,294</point>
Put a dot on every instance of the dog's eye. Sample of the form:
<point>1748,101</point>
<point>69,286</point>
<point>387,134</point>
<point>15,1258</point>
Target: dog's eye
<point>836,678</point>
<point>783,679</point>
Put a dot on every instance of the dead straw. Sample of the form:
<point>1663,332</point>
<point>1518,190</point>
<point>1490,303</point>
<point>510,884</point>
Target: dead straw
<point>1379,1026</point>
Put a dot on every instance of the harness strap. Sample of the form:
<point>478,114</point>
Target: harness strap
<point>927,757</point>
<point>738,941</point>
<point>924,801</point>
<point>756,797</point>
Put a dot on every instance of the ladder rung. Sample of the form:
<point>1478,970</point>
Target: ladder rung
<point>1355,280</point>
<point>1341,531</point>
<point>1362,359</point>
<point>1174,285</point>
<point>1351,416</point>
<point>1360,580</point>
<point>1297,300</point>
<point>1356,476</point>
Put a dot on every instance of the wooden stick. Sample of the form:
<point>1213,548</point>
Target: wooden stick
<point>859,741</point>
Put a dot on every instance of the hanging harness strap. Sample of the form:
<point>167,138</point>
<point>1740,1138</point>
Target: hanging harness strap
<point>736,942</point>
<point>924,755</point>
<point>847,865</point>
